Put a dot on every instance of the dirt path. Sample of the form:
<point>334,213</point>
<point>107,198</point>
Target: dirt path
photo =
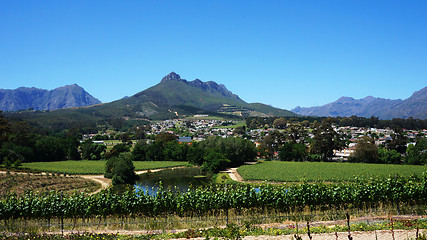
<point>368,235</point>
<point>105,182</point>
<point>232,172</point>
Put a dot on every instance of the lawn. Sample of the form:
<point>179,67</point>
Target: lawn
<point>324,171</point>
<point>93,167</point>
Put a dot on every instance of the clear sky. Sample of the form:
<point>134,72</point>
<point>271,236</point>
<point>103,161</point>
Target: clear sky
<point>284,53</point>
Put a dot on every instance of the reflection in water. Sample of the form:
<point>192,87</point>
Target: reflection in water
<point>174,180</point>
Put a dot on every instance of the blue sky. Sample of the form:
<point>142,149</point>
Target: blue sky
<point>283,53</point>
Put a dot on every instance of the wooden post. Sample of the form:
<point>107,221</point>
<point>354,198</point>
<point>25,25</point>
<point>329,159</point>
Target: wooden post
<point>348,225</point>
<point>308,230</point>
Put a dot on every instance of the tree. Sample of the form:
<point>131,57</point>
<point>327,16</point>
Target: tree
<point>175,151</point>
<point>196,153</point>
<point>417,154</point>
<point>140,133</point>
<point>154,152</point>
<point>165,137</point>
<point>214,161</point>
<point>292,152</point>
<point>49,149</point>
<point>125,137</point>
<point>280,123</point>
<point>272,142</point>
<point>117,149</point>
<point>121,170</point>
<point>92,151</point>
<point>398,141</point>
<point>389,156</point>
<point>366,151</point>
<point>139,151</point>
<point>296,133</point>
<point>326,140</point>
<point>4,129</point>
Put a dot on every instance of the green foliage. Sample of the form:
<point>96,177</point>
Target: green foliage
<point>237,150</point>
<point>324,171</point>
<point>273,142</point>
<point>121,170</point>
<point>175,151</point>
<point>117,150</point>
<point>165,137</point>
<point>139,151</point>
<point>92,151</point>
<point>398,141</point>
<point>326,140</point>
<point>417,154</point>
<point>366,151</point>
<point>214,161</point>
<point>389,156</point>
<point>292,152</point>
<point>50,149</point>
<point>378,191</point>
<point>154,152</point>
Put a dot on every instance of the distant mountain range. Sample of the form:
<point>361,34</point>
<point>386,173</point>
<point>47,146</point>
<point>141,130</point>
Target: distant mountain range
<point>41,99</point>
<point>171,98</point>
<point>414,106</point>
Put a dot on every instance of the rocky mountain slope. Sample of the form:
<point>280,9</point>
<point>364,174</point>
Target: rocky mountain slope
<point>40,99</point>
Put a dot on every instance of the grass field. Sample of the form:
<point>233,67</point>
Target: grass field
<point>235,125</point>
<point>93,167</point>
<point>323,171</point>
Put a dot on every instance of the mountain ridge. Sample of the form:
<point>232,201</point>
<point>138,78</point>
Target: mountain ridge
<point>22,98</point>
<point>414,106</point>
<point>172,97</point>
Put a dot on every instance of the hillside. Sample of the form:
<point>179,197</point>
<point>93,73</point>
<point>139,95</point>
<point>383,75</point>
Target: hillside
<point>171,98</point>
<point>414,106</point>
<point>40,99</point>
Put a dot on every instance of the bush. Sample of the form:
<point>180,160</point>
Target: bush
<point>121,170</point>
<point>215,162</point>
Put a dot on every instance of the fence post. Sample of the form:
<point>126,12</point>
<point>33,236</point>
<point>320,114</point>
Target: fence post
<point>308,230</point>
<point>348,225</point>
<point>392,227</point>
<point>62,216</point>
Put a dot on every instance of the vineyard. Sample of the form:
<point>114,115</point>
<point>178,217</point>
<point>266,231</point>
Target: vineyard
<point>324,171</point>
<point>21,183</point>
<point>84,167</point>
<point>219,200</point>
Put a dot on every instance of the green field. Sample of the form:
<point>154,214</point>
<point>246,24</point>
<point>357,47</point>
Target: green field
<point>93,167</point>
<point>234,125</point>
<point>324,171</point>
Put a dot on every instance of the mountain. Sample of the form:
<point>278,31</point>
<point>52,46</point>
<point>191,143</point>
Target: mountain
<point>414,106</point>
<point>180,94</point>
<point>40,99</point>
<point>172,97</point>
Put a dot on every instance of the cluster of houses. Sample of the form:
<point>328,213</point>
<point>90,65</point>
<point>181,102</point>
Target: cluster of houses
<point>201,127</point>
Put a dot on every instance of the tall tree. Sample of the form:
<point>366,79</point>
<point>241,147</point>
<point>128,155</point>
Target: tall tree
<point>366,151</point>
<point>272,142</point>
<point>326,140</point>
<point>398,141</point>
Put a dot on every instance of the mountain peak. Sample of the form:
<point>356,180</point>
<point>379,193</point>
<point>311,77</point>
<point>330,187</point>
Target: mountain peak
<point>41,99</point>
<point>171,77</point>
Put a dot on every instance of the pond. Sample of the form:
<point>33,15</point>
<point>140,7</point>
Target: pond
<point>174,179</point>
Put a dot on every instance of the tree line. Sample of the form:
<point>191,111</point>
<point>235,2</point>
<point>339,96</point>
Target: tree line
<point>353,121</point>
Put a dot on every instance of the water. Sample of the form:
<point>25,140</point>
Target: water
<point>174,180</point>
